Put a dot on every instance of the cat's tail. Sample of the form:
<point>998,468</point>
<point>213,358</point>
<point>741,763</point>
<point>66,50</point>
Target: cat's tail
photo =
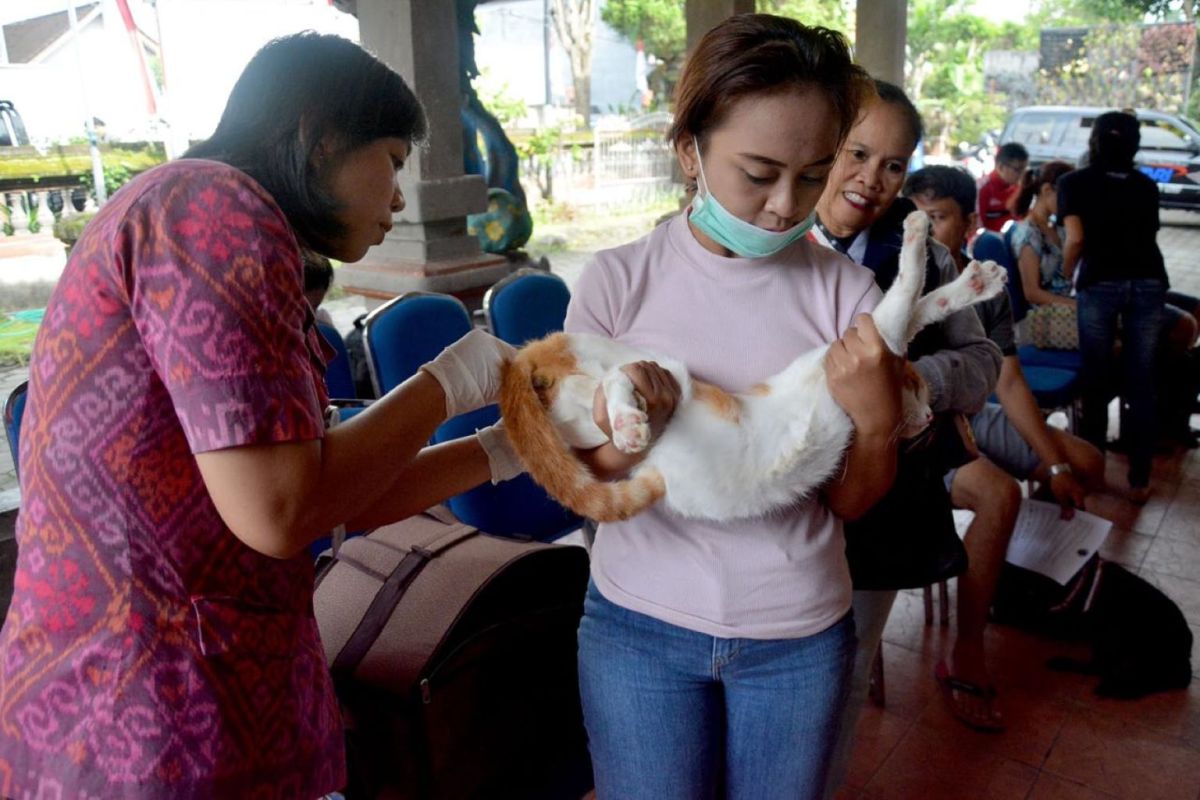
<point>550,460</point>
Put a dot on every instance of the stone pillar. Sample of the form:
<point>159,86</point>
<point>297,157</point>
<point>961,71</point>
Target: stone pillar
<point>429,248</point>
<point>701,15</point>
<point>881,28</point>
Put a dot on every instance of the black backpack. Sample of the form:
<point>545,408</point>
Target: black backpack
<point>1140,639</point>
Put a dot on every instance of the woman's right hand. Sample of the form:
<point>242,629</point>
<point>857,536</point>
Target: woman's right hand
<point>655,385</point>
<point>864,378</point>
<point>469,371</point>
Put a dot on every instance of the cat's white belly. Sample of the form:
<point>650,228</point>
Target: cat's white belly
<point>753,467</point>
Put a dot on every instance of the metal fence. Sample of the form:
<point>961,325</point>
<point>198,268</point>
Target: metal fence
<point>620,167</point>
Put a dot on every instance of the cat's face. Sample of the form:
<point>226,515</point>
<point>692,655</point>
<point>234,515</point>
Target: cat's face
<point>914,394</point>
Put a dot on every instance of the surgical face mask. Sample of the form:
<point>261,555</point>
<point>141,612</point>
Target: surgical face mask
<point>746,240</point>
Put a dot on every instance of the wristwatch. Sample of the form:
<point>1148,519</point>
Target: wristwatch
<point>1059,469</point>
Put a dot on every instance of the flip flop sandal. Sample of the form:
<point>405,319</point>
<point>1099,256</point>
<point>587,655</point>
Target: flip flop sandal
<point>950,684</point>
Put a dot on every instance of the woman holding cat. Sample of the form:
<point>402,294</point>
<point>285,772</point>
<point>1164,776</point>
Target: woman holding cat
<point>717,654</point>
<point>859,215</point>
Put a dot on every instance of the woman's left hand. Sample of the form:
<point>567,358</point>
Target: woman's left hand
<point>864,379</point>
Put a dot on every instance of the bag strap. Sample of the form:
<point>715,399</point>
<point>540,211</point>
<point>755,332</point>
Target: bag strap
<point>378,613</point>
<point>392,592</point>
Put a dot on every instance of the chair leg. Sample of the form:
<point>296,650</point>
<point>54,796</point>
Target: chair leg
<point>927,592</point>
<point>876,690</point>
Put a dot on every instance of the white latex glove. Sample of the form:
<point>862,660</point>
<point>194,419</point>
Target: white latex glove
<point>469,371</point>
<point>502,458</point>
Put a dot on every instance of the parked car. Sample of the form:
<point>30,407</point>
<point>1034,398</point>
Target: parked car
<point>1170,152</point>
<point>12,129</point>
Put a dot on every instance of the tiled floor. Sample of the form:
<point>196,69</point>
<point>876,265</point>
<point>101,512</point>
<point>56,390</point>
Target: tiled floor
<point>1062,742</point>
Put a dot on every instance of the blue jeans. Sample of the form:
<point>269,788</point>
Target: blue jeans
<point>672,713</point>
<point>1139,305</point>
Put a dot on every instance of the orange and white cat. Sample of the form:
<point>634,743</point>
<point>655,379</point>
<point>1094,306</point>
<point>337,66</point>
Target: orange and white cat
<point>722,456</point>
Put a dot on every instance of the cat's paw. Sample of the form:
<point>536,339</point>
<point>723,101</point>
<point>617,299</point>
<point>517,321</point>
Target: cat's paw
<point>630,430</point>
<point>985,279</point>
<point>916,227</point>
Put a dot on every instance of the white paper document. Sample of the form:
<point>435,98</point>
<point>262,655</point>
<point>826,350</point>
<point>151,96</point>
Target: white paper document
<point>1055,547</point>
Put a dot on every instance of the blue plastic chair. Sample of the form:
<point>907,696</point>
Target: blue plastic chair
<point>526,305</point>
<point>990,246</point>
<point>1055,389</point>
<point>14,409</point>
<point>339,380</point>
<point>1032,356</point>
<point>399,337</point>
<point>405,332</point>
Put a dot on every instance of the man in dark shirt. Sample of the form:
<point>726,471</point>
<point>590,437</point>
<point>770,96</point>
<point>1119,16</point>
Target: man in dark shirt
<point>1110,211</point>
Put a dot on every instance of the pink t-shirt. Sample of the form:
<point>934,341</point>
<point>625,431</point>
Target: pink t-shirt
<point>734,322</point>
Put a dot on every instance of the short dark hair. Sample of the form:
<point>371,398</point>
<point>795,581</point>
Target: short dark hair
<point>1032,182</point>
<point>891,93</point>
<point>299,93</point>
<point>750,54</point>
<point>318,272</point>
<point>938,181</point>
<point>1012,153</point>
<point>1114,142</point>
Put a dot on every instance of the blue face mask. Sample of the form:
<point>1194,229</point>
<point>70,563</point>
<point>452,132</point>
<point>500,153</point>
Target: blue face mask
<point>746,240</point>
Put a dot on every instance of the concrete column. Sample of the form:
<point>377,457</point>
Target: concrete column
<point>428,249</point>
<point>880,32</point>
<point>701,15</point>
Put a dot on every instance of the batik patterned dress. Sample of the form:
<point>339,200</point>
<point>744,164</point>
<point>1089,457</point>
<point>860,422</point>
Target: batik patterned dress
<point>147,651</point>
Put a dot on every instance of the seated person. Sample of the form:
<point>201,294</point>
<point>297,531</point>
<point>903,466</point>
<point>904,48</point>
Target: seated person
<point>1037,238</point>
<point>860,216</point>
<point>998,188</point>
<point>1012,433</point>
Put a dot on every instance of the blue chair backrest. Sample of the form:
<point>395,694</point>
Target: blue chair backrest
<point>402,335</point>
<point>990,246</point>
<point>339,381</point>
<point>526,305</point>
<point>1007,233</point>
<point>14,409</point>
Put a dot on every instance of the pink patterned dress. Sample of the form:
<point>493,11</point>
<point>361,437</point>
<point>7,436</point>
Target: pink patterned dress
<point>148,652</point>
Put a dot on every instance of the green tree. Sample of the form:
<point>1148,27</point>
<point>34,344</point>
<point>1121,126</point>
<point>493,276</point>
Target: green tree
<point>1126,10</point>
<point>659,24</point>
<point>1123,66</point>
<point>662,29</point>
<point>944,68</point>
<point>834,14</point>
<point>575,24</point>
<point>1160,11</point>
